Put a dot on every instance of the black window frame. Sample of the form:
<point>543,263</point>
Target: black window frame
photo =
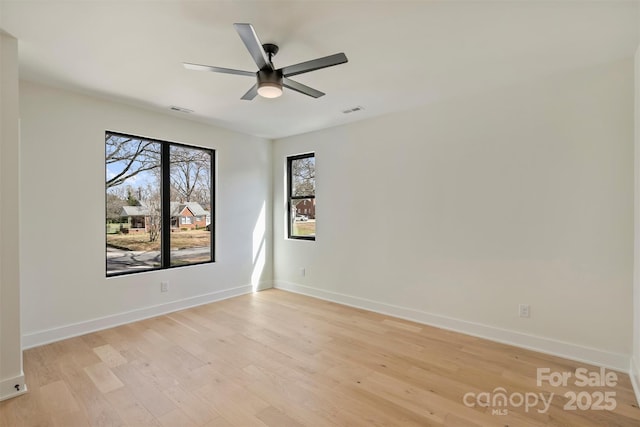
<point>165,191</point>
<point>291,197</point>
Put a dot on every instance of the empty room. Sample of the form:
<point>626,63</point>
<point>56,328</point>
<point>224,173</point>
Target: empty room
<point>319,213</point>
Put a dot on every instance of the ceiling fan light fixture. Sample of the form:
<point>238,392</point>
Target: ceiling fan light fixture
<point>269,89</point>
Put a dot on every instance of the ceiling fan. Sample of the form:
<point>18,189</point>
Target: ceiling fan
<point>271,80</point>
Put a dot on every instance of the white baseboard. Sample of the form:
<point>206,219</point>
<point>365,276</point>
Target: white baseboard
<point>615,361</point>
<point>47,336</point>
<point>267,284</point>
<point>12,387</point>
<point>634,374</point>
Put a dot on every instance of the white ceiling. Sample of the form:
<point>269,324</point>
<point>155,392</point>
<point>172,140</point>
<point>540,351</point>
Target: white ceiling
<point>401,54</point>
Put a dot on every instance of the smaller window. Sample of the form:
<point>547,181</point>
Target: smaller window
<point>301,200</point>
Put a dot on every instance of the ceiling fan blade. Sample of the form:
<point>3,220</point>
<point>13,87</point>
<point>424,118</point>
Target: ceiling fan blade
<point>251,41</point>
<point>198,67</point>
<point>299,87</point>
<point>315,64</point>
<point>251,93</point>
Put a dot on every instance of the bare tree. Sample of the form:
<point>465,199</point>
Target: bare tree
<point>132,155</point>
<point>117,197</point>
<point>303,174</point>
<point>190,169</point>
<point>152,203</point>
<point>114,207</point>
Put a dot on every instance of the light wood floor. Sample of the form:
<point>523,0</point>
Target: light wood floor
<point>279,359</point>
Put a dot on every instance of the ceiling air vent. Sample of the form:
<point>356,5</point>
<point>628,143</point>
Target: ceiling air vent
<point>180,109</point>
<point>352,110</point>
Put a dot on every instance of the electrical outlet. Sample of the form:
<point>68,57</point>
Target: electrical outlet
<point>164,286</point>
<point>524,310</point>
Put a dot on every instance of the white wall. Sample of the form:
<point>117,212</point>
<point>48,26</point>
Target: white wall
<point>11,374</point>
<point>62,251</point>
<point>455,213</point>
<point>635,360</point>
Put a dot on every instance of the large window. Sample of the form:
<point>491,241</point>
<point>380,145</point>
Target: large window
<point>159,204</point>
<point>301,190</point>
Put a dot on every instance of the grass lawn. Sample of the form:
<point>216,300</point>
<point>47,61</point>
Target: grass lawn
<point>179,240</point>
<point>307,228</point>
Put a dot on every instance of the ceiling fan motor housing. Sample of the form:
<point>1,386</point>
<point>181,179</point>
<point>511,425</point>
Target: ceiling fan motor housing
<point>269,78</point>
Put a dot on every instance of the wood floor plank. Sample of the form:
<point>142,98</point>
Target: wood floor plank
<point>69,419</point>
<point>177,417</point>
<point>234,403</point>
<point>97,409</point>
<point>275,418</point>
<point>56,398</point>
<point>284,402</point>
<point>144,390</point>
<point>275,358</point>
<point>109,355</point>
<point>103,377</point>
<point>197,408</point>
<point>132,411</point>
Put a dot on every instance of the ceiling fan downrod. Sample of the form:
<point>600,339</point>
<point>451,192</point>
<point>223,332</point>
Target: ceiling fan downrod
<point>271,50</point>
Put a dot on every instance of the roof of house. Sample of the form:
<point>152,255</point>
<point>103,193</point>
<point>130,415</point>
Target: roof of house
<point>176,208</point>
<point>134,211</point>
<point>195,208</point>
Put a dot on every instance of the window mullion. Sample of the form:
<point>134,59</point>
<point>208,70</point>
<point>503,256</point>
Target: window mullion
<point>165,217</point>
